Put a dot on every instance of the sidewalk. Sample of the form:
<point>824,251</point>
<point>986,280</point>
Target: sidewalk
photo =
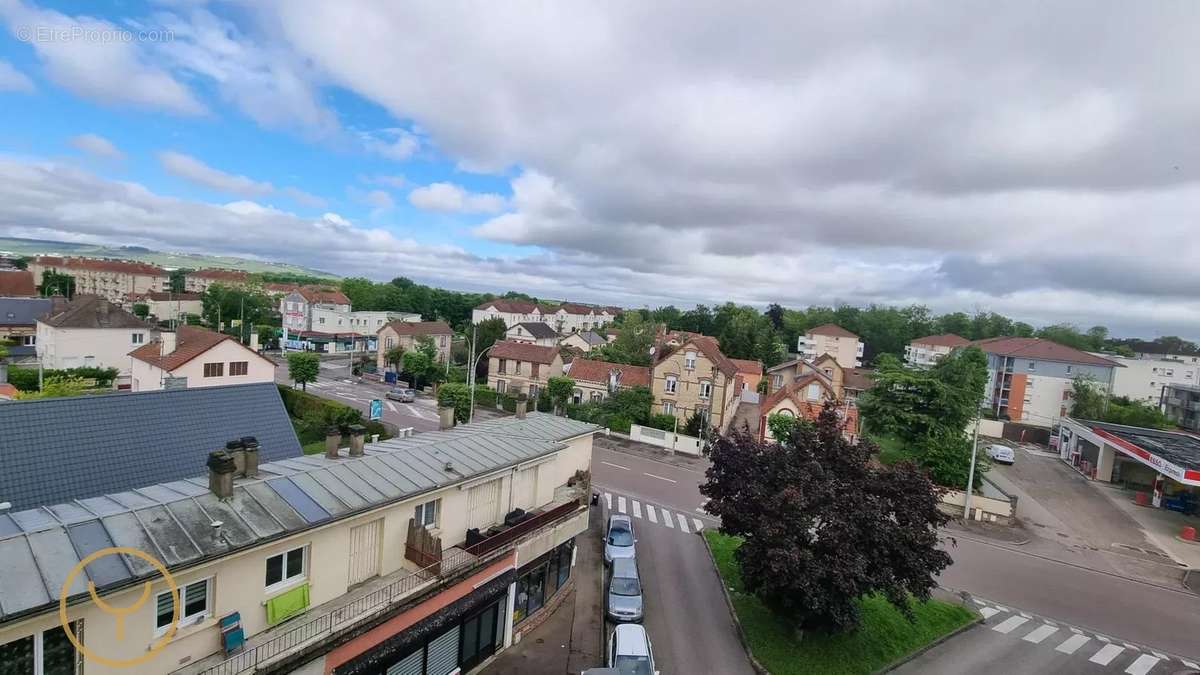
<point>1160,526</point>
<point>618,442</point>
<point>571,639</point>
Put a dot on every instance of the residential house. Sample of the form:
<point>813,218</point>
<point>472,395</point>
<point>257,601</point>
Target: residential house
<point>168,306</point>
<point>407,334</point>
<point>113,280</point>
<point>927,351</point>
<point>695,378</point>
<point>17,284</point>
<point>533,333</point>
<point>834,340</point>
<point>91,331</point>
<point>1181,405</point>
<point>749,374</point>
<point>855,381</point>
<point>783,374</point>
<point>18,322</point>
<point>597,380</point>
<point>386,563</point>
<point>1030,379</point>
<point>805,398</point>
<point>522,368</point>
<point>297,307</point>
<point>198,281</point>
<point>584,341</point>
<point>1143,379</point>
<point>197,357</point>
<point>565,318</point>
<point>278,290</point>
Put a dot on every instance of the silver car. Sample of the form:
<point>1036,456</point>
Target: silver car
<point>402,394</point>
<point>629,651</point>
<point>624,601</point>
<point>618,538</point>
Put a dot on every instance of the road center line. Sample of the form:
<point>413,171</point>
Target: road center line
<point>618,466</point>
<point>669,480</point>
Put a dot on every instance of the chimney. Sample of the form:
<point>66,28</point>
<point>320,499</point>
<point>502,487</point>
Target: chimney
<point>521,403</point>
<point>333,438</point>
<point>250,447</point>
<point>168,341</point>
<point>3,372</point>
<point>445,418</point>
<point>221,468</point>
<point>254,340</point>
<point>235,450</point>
<point>358,437</point>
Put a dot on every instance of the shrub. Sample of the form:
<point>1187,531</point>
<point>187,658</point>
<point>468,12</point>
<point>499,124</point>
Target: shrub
<point>663,421</point>
<point>26,379</point>
<point>457,396</point>
<point>485,397</point>
<point>619,423</point>
<point>313,414</point>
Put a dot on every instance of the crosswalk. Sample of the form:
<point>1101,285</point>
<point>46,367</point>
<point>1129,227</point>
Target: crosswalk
<point>671,519</point>
<point>1112,655</point>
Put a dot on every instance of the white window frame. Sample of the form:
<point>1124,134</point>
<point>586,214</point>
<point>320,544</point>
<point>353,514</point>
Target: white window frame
<point>138,338</point>
<point>671,384</point>
<point>705,389</point>
<point>186,620</point>
<point>668,407</point>
<point>286,581</point>
<point>421,513</point>
<point>689,360</point>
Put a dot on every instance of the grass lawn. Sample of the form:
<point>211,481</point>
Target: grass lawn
<point>892,449</point>
<point>314,448</point>
<point>884,637</point>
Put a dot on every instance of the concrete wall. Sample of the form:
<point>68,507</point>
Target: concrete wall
<point>684,445</point>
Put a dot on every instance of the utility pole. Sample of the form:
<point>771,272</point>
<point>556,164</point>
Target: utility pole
<point>971,472</point>
<point>471,373</point>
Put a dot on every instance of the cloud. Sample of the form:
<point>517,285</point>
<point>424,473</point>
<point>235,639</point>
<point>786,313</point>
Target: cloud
<point>454,198</point>
<point>304,198</point>
<point>394,181</point>
<point>393,143</point>
<point>377,199</point>
<point>12,79</point>
<point>190,168</point>
<point>96,145</point>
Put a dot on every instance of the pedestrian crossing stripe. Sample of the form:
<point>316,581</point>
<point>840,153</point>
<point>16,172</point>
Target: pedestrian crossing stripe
<point>1072,644</point>
<point>1010,624</point>
<point>1106,654</point>
<point>650,512</point>
<point>1142,664</point>
<point>667,519</point>
<point>621,504</point>
<point>637,509</point>
<point>699,525</point>
<point>1037,635</point>
<point>683,527</point>
<point>989,612</point>
<point>608,500</point>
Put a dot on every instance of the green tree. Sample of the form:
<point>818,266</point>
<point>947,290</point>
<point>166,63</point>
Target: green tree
<point>303,368</point>
<point>394,357</point>
<point>458,396</point>
<point>226,304</point>
<point>486,333</point>
<point>178,280</point>
<point>141,310</point>
<point>946,456</point>
<point>632,345</point>
<point>56,283</point>
<point>695,426</point>
<point>559,389</point>
<point>1122,410</point>
<point>781,426</point>
<point>1087,399</point>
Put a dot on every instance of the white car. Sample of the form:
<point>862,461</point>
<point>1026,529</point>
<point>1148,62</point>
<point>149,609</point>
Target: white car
<point>1002,454</point>
<point>629,651</point>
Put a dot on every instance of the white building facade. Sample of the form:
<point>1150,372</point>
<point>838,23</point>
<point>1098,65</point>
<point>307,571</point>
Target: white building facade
<point>1143,380</point>
<point>845,347</point>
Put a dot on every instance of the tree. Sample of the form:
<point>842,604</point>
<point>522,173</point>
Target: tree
<point>178,280</point>
<point>394,357</point>
<point>780,425</point>
<point>55,283</point>
<point>632,345</point>
<point>303,368</point>
<point>223,305</point>
<point>141,310</point>
<point>458,396</point>
<point>915,404</point>
<point>1087,399</point>
<point>775,314</point>
<point>822,526</point>
<point>486,333</point>
<point>946,457</point>
<point>559,389</point>
<point>417,365</point>
<point>695,426</point>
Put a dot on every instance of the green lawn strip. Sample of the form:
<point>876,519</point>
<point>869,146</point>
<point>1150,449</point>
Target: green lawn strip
<point>314,448</point>
<point>892,449</point>
<point>884,637</point>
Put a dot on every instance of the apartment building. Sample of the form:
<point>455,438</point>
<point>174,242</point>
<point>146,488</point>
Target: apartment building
<point>168,306</point>
<point>695,378</point>
<point>1181,404</point>
<point>522,368</point>
<point>361,322</point>
<point>1143,379</point>
<point>533,333</point>
<point>1030,379</point>
<point>407,334</point>
<point>198,281</point>
<point>834,340</point>
<point>91,331</point>
<point>113,280</point>
<point>196,357</point>
<point>926,351</point>
<point>17,284</point>
<point>566,318</point>
<point>299,304</point>
<point>417,555</point>
<point>597,380</point>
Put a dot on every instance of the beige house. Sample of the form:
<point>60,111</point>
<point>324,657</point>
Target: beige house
<point>522,368</point>
<point>696,378</point>
<point>167,306</point>
<point>783,374</point>
<point>199,280</point>
<point>927,351</point>
<point>196,357</point>
<point>532,332</point>
<point>804,398</point>
<point>113,280</point>
<point>584,341</point>
<point>597,380</point>
<point>91,332</point>
<point>406,334</point>
<point>834,340</point>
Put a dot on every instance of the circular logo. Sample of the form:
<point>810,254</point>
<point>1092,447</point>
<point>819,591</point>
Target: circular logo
<point>119,613</point>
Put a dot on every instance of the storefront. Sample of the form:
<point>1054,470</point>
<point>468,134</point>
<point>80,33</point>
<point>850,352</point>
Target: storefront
<point>540,581</point>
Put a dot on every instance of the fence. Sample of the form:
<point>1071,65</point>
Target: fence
<point>686,445</point>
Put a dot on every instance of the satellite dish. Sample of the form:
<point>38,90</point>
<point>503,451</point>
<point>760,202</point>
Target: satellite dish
<point>652,350</point>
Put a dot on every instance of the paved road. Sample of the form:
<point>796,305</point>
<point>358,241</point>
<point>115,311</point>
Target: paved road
<point>334,382</point>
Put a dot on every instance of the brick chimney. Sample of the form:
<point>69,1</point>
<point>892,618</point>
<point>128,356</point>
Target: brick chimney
<point>358,438</point>
<point>445,418</point>
<point>221,468</point>
<point>168,339</point>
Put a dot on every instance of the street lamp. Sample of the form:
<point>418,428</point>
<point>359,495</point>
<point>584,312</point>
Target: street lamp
<point>473,360</point>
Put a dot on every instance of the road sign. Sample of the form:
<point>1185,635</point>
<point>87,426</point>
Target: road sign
<point>376,408</point>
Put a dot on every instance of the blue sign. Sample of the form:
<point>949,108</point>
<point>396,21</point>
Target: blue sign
<point>376,408</point>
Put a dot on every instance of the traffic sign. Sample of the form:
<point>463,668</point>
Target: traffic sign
<point>376,408</point>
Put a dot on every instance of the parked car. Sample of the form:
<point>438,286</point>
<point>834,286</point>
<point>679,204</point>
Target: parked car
<point>1002,454</point>
<point>618,538</point>
<point>624,602</point>
<point>403,395</point>
<point>629,651</point>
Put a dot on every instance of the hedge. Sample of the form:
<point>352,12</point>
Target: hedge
<point>312,415</point>
<point>26,379</point>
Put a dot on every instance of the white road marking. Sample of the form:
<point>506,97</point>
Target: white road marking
<point>667,519</point>
<point>1159,655</point>
<point>1025,615</point>
<point>637,509</point>
<point>1002,608</point>
<point>1074,629</point>
<point>1106,654</point>
<point>1129,646</point>
<point>1191,665</point>
<point>989,612</point>
<point>1038,634</point>
<point>1072,644</point>
<point>392,407</point>
<point>669,480</point>
<point>621,504</point>
<point>1142,664</point>
<point>617,466</point>
<point>608,500</point>
<point>650,512</point>
<point>682,522</point>
<point>699,525</point>
<point>1101,638</point>
<point>978,602</point>
<point>1009,624</point>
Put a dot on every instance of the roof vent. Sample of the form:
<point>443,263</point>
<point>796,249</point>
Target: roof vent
<point>449,466</point>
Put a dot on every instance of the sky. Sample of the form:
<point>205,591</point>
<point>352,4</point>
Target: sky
<point>1033,159</point>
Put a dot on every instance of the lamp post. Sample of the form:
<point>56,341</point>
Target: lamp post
<point>474,365</point>
<point>971,472</point>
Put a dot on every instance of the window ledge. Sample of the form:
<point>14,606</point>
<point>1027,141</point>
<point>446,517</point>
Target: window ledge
<point>186,631</point>
<point>282,587</point>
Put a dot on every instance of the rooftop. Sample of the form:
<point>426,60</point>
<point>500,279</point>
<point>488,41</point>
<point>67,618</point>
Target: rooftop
<point>322,295</point>
<point>523,351</point>
<point>172,520</point>
<point>92,311</point>
<point>830,329</point>
<point>165,296</point>
<point>420,328</point>
<point>22,311</point>
<point>99,265</point>
<point>190,342</point>
<point>1039,348</point>
<point>221,274</point>
<point>1180,449</point>
<point>538,330</point>
<point>943,340</point>
<point>591,370</point>
<point>16,283</point>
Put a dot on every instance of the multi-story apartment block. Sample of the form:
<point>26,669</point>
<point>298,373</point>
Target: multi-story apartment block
<point>566,318</point>
<point>695,378</point>
<point>415,555</point>
<point>113,280</point>
<point>927,351</point>
<point>199,280</point>
<point>834,340</point>
<point>522,368</point>
<point>298,307</point>
<point>597,380</point>
<point>91,331</point>
<point>1143,379</point>
<point>363,322</point>
<point>196,357</point>
<point>1030,379</point>
<point>167,306</point>
<point>406,334</point>
<point>1181,404</point>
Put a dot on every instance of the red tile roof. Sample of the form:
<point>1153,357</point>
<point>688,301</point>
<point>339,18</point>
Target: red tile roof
<point>226,275</point>
<point>280,288</point>
<point>420,328</point>
<point>943,340</point>
<point>323,294</point>
<point>526,307</point>
<point>16,284</point>
<point>808,409</point>
<point>7,391</point>
<point>1038,348</point>
<point>748,366</point>
<point>707,346</point>
<point>591,370</point>
<point>190,342</point>
<point>99,264</point>
<point>164,296</point>
<point>859,379</point>
<point>830,329</point>
<point>523,351</point>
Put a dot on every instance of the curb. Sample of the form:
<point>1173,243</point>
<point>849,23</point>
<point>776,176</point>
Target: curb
<point>948,636</point>
<point>758,667</point>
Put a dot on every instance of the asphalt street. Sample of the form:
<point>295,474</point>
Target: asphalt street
<point>335,382</point>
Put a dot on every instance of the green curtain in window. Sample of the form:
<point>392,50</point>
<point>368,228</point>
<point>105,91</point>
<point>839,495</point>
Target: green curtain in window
<point>287,604</point>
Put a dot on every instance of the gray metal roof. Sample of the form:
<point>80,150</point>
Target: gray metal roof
<point>539,330</point>
<point>57,449</point>
<point>172,521</point>
<point>22,311</point>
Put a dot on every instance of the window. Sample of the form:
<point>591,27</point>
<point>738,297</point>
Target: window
<point>321,319</point>
<point>427,513</point>
<point>46,652</point>
<point>671,384</point>
<point>689,360</point>
<point>776,381</point>
<point>239,367</point>
<point>577,396</point>
<point>668,407</point>
<point>501,386</point>
<point>390,342</point>
<point>503,367</point>
<point>1069,368</point>
<point>214,369</point>
<point>814,391</point>
<point>533,391</point>
<point>194,605</point>
<point>31,340</point>
<point>597,396</point>
<point>285,567</point>
<point>1169,372</point>
<point>139,338</point>
<point>1033,365</point>
<point>444,338</point>
<point>705,389</point>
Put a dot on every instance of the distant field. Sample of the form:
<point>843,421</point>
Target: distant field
<point>28,247</point>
